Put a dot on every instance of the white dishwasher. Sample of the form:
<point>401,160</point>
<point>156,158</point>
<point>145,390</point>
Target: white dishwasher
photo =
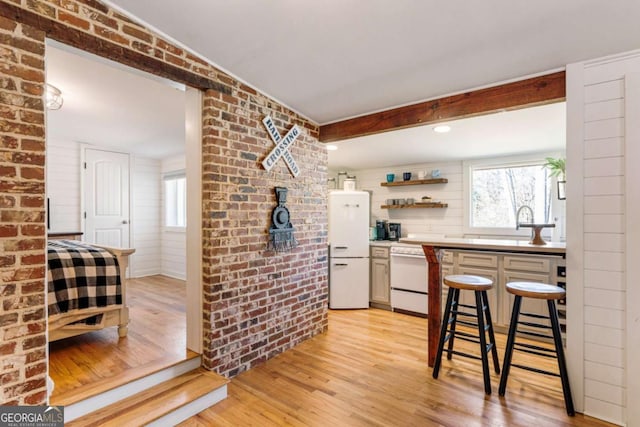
<point>409,277</point>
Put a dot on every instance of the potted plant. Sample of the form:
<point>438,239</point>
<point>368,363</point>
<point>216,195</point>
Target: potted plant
<point>557,168</point>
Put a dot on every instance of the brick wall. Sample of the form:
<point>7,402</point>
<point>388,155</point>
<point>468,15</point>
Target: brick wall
<point>257,304</point>
<point>22,228</point>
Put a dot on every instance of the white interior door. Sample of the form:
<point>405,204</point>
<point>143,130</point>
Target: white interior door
<point>106,188</point>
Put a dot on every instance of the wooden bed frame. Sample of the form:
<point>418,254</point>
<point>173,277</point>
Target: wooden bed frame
<point>60,326</point>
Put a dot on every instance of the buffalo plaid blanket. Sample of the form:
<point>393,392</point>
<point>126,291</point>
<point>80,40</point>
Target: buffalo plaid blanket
<point>81,276</point>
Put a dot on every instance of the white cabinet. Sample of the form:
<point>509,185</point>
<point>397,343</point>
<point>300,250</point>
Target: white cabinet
<point>380,284</point>
<point>531,268</point>
<point>503,268</point>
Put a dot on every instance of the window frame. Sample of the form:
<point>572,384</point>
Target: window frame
<point>170,176</point>
<point>504,162</point>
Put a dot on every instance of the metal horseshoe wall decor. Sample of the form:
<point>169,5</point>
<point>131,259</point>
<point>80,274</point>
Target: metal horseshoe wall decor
<point>281,237</point>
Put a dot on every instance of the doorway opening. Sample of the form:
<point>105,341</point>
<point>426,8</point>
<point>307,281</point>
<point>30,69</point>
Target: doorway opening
<point>146,124</point>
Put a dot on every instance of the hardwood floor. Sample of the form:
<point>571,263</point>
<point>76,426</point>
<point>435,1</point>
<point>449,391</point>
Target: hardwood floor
<point>370,369</point>
<point>88,364</point>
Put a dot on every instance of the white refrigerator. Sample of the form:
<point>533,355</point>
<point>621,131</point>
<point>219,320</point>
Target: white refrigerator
<point>348,249</point>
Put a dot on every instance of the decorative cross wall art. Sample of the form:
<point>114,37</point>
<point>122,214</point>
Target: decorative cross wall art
<point>282,146</point>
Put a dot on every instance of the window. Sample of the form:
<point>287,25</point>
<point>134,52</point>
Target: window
<point>175,200</point>
<point>496,190</point>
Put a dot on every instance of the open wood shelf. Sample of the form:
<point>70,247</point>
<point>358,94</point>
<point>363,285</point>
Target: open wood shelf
<point>415,182</point>
<point>416,206</point>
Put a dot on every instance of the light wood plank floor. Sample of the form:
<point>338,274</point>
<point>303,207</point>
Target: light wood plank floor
<point>370,369</point>
<point>88,364</point>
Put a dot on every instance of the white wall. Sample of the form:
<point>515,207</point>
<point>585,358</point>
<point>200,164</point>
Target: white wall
<point>597,239</point>
<point>63,186</point>
<point>64,191</point>
<point>444,221</point>
<point>449,220</point>
<point>145,216</point>
<point>173,243</point>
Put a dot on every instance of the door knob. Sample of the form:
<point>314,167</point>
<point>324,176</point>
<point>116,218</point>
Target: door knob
<point>124,221</point>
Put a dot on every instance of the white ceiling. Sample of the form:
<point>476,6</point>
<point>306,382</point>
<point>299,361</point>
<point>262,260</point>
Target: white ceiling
<point>334,59</point>
<point>112,106</point>
<point>531,130</point>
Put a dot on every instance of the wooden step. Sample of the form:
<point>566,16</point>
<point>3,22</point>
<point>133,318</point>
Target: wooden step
<point>167,403</point>
<point>103,394</point>
<point>190,362</point>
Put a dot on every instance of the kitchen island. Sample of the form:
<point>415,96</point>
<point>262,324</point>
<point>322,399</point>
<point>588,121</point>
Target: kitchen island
<point>433,250</point>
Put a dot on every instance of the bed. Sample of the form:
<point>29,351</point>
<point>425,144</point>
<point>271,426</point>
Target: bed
<point>86,288</point>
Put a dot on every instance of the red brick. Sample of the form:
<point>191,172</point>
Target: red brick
<point>41,8</point>
<point>10,377</point>
<point>73,20</point>
<point>7,261</point>
<point>7,141</point>
<point>109,34</point>
<point>32,173</point>
<point>135,32</point>
<point>29,116</point>
<point>38,398</point>
<point>7,348</point>
<point>32,145</point>
<point>7,171</point>
<point>35,47</point>
<point>37,341</point>
<point>100,17</point>
<point>31,259</point>
<point>7,24</point>
<point>8,230</point>
<point>32,202</point>
<point>37,230</point>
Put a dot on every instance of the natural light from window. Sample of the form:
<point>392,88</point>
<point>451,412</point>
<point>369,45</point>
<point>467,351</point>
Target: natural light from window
<point>175,190</point>
<point>497,190</point>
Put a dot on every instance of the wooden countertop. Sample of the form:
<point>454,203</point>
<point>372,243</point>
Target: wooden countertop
<point>497,245</point>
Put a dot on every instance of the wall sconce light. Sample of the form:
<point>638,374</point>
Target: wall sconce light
<point>53,97</point>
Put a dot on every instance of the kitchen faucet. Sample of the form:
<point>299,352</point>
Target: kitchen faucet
<point>518,215</point>
<point>536,239</point>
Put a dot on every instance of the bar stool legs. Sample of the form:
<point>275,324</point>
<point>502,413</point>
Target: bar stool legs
<point>484,324</point>
<point>557,339</point>
<point>559,351</point>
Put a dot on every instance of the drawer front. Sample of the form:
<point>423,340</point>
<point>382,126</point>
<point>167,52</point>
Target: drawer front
<point>473,259</point>
<point>530,263</point>
<point>447,257</point>
<point>379,252</point>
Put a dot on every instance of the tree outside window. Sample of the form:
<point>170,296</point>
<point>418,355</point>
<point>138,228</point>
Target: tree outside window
<point>497,191</point>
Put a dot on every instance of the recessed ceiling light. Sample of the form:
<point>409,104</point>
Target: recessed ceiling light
<point>442,129</point>
<point>331,147</point>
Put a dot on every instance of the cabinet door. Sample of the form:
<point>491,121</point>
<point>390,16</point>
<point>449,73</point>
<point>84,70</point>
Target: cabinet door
<point>477,259</point>
<point>380,281</point>
<point>529,305</point>
<point>379,252</point>
<point>468,297</point>
<point>529,263</point>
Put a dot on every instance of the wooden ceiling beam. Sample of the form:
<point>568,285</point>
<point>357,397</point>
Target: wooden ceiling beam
<point>539,90</point>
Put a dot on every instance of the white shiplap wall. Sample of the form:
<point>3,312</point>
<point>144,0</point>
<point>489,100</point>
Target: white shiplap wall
<point>63,185</point>
<point>145,220</point>
<point>596,241</point>
<point>173,243</point>
<point>442,221</point>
